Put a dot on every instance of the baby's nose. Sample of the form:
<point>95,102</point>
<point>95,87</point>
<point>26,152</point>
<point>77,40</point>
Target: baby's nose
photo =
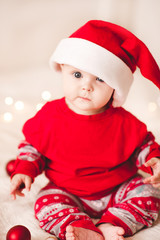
<point>88,89</point>
<point>87,86</point>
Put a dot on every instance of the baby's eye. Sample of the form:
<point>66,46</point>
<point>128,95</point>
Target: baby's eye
<point>77,74</point>
<point>100,80</point>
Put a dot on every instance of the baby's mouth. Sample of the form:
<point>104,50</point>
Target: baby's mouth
<point>84,98</point>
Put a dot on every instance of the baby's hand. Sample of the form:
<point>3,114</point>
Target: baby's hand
<point>18,183</point>
<point>154,163</point>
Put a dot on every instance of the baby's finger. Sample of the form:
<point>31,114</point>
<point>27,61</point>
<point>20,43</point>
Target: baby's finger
<point>28,184</point>
<point>13,188</point>
<point>149,180</point>
<point>19,193</point>
<point>16,189</point>
<point>146,180</point>
<point>153,179</point>
<point>151,162</point>
<point>13,196</point>
<point>16,192</point>
<point>156,185</point>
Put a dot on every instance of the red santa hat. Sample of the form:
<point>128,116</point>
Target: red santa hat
<point>109,52</point>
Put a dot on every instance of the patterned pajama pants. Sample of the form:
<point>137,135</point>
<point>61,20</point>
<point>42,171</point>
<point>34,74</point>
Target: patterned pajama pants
<point>132,206</point>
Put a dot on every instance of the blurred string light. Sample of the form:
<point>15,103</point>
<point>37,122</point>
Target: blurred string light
<point>39,106</point>
<point>152,107</point>
<point>19,105</point>
<point>7,116</point>
<point>46,95</point>
<point>8,100</point>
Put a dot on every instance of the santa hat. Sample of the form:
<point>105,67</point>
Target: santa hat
<point>109,52</point>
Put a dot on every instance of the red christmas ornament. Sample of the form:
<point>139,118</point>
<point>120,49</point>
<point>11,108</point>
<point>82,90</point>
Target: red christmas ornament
<point>10,167</point>
<point>18,232</point>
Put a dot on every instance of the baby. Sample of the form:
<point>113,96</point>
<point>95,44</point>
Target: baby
<point>89,147</point>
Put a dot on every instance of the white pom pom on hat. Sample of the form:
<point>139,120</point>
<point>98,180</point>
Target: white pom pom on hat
<point>109,52</point>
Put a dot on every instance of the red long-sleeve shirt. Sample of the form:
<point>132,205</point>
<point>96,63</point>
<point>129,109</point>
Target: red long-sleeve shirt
<point>87,155</point>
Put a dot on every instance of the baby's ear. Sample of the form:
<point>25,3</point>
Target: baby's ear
<point>56,66</point>
<point>60,67</point>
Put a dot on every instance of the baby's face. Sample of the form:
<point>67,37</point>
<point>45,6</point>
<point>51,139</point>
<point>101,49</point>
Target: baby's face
<point>85,93</point>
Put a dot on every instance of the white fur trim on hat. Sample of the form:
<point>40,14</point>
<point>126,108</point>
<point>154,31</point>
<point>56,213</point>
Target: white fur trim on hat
<point>92,58</point>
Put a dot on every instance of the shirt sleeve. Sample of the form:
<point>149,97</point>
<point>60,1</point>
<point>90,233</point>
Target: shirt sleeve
<point>29,161</point>
<point>149,149</point>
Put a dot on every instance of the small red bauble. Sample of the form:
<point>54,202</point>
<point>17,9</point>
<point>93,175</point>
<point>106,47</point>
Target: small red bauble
<point>10,167</point>
<point>18,232</point>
